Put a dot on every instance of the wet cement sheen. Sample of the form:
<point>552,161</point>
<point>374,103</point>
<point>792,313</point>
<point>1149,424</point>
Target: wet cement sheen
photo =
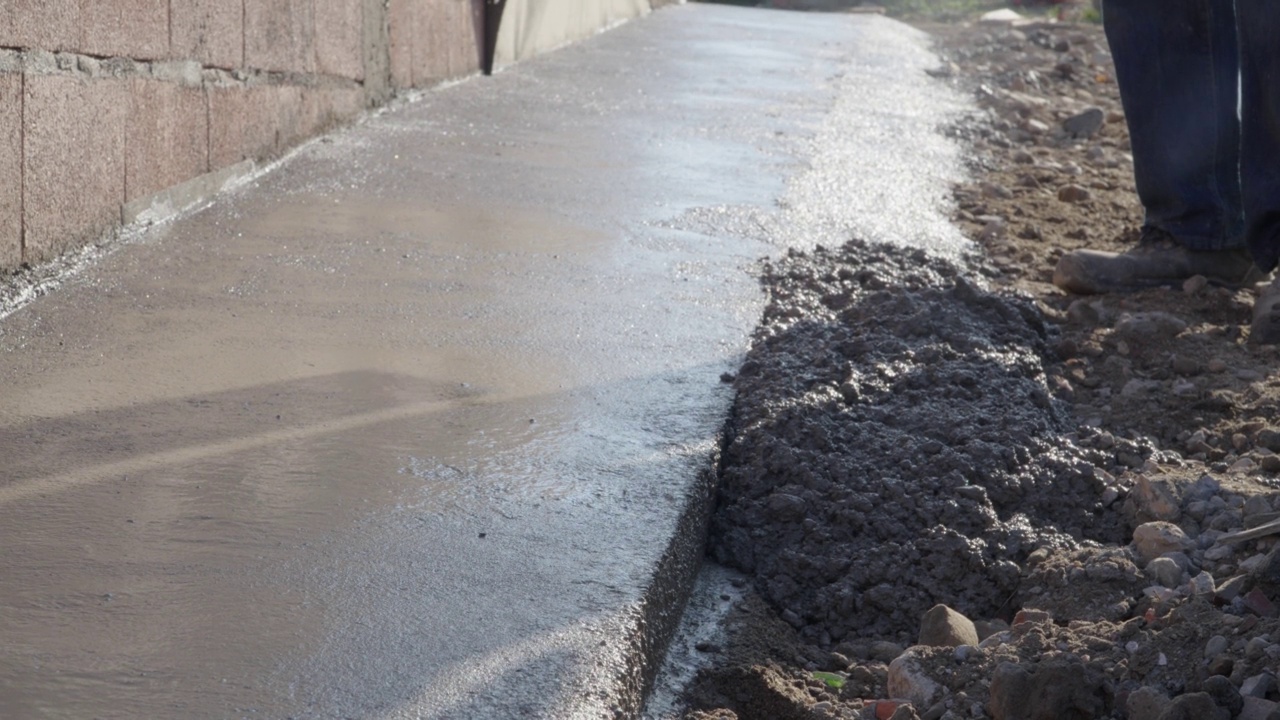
<point>403,428</point>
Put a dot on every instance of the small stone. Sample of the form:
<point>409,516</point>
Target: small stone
<point>964,652</point>
<point>1260,685</point>
<point>1224,694</point>
<point>1233,587</point>
<point>1203,585</point>
<point>1216,646</point>
<point>1029,615</point>
<point>1164,571</point>
<point>908,679</point>
<point>1073,194</point>
<point>1194,706</point>
<point>1257,708</point>
<point>1153,539</point>
<point>1269,438</point>
<point>1085,124</point>
<point>1194,284</point>
<point>1259,604</point>
<point>1146,703</point>
<point>1145,326</point>
<point>944,627</point>
<point>1216,365</point>
<point>1256,648</point>
<point>1156,498</point>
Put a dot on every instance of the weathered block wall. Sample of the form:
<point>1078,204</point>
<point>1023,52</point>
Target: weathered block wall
<point>105,102</point>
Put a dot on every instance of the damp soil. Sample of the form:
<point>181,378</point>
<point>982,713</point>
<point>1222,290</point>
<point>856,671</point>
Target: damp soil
<point>1074,475</point>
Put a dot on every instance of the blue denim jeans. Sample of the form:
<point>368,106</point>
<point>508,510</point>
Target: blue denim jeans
<point>1200,84</point>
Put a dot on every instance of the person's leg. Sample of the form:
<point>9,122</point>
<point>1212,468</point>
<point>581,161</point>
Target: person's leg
<point>1177,65</point>
<point>1259,23</point>
<point>1260,126</point>
<point>1177,68</point>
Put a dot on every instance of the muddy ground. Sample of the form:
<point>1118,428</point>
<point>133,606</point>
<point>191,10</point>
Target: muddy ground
<point>1088,484</point>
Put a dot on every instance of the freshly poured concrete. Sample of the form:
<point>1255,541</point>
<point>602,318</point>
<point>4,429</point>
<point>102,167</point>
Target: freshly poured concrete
<point>413,425</point>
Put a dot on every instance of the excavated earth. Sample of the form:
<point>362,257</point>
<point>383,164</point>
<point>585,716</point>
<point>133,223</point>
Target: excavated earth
<point>1087,484</point>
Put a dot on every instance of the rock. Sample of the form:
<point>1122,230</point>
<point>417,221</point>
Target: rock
<point>1055,689</point>
<point>1156,498</point>
<point>1153,539</point>
<point>1194,706</point>
<point>1216,645</point>
<point>1256,708</point>
<point>1148,326</point>
<point>1194,284</point>
<point>1258,603</point>
<point>1164,571</point>
<point>1224,694</point>
<point>907,679</point>
<point>1269,438</point>
<point>944,627</point>
<point>1085,124</point>
<point>1202,585</point>
<point>1232,588</point>
<point>1146,703</point>
<point>1074,194</point>
<point>1260,685</point>
<point>1029,615</point>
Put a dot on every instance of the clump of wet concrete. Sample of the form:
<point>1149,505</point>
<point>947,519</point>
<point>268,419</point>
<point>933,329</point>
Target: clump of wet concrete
<point>895,447</point>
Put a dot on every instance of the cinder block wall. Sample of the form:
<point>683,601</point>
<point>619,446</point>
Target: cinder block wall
<point>106,102</point>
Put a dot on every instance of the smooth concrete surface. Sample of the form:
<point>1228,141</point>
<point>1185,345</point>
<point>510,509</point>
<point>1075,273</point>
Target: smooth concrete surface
<point>415,425</point>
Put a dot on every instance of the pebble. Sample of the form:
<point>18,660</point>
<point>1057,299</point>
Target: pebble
<point>1216,646</point>
<point>1164,571</point>
<point>1153,539</point>
<point>1085,124</point>
<point>942,626</point>
<point>1074,194</point>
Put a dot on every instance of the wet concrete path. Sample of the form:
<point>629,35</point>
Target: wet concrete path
<point>412,426</point>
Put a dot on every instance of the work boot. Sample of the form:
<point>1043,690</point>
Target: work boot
<point>1158,260</point>
<point>1265,328</point>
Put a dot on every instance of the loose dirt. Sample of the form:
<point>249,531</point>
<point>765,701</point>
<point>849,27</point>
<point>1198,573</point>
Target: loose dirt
<point>1089,483</point>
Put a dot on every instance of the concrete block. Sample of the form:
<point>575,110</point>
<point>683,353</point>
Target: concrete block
<point>339,33</point>
<point>446,40</point>
<point>241,125</point>
<point>280,35</point>
<point>10,170</point>
<point>254,123</point>
<point>400,14</point>
<point>208,31</point>
<point>49,25</point>
<point>137,29</point>
<point>73,161</point>
<point>325,109</point>
<point>166,137</point>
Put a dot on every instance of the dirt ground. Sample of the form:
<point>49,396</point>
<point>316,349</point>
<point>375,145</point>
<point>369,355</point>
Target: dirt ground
<point>1088,484</point>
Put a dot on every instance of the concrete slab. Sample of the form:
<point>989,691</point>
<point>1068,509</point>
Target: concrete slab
<point>166,136</point>
<point>280,35</point>
<point>417,425</point>
<point>209,31</point>
<point>76,127</point>
<point>339,32</point>
<point>11,168</point>
<point>49,25</point>
<point>137,29</point>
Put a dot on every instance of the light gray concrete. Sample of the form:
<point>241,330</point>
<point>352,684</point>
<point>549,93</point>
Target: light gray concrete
<point>417,424</point>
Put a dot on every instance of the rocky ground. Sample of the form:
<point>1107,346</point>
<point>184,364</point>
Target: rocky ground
<point>955,491</point>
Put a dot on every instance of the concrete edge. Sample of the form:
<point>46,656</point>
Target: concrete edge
<point>662,604</point>
<point>176,199</point>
